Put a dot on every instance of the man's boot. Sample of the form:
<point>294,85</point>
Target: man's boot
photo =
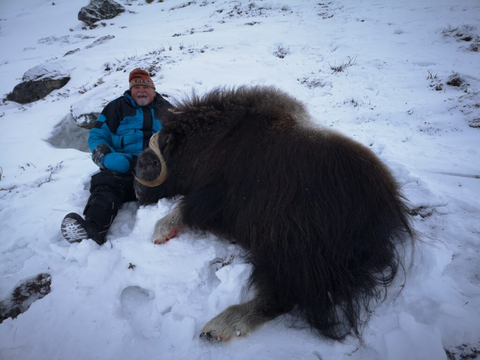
<point>75,229</point>
<point>99,213</point>
<point>108,191</point>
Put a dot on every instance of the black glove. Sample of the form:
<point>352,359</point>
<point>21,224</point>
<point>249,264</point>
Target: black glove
<point>99,153</point>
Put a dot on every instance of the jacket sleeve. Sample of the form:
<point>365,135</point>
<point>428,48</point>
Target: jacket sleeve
<point>100,134</point>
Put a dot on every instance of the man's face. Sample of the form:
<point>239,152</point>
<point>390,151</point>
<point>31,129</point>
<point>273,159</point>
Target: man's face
<point>142,95</point>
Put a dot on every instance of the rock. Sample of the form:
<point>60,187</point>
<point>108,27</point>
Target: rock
<point>24,295</point>
<point>99,10</point>
<point>86,111</point>
<point>38,82</point>
<point>85,120</point>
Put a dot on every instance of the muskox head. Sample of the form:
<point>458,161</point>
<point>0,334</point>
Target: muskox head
<point>151,173</point>
<point>162,176</point>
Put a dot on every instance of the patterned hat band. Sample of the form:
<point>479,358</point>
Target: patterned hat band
<point>142,81</point>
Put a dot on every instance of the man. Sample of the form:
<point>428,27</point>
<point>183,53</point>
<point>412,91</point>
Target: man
<point>121,132</point>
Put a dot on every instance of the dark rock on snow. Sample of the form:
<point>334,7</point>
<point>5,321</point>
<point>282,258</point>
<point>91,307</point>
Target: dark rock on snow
<point>99,10</point>
<point>38,82</point>
<point>24,295</point>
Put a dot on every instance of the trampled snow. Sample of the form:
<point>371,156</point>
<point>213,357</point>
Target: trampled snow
<point>381,72</point>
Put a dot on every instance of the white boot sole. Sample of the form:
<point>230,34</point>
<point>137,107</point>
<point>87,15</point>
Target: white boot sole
<point>72,231</point>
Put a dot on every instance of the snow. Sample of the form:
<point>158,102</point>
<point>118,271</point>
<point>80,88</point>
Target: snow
<point>130,299</point>
<point>52,70</point>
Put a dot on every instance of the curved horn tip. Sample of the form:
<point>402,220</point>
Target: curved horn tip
<point>153,144</point>
<point>154,183</point>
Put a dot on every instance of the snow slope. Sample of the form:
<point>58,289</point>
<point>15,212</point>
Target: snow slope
<point>130,299</point>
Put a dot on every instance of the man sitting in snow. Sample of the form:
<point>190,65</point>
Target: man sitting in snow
<point>121,132</point>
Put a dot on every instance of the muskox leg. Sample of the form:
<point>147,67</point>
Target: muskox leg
<point>168,227</point>
<point>240,320</point>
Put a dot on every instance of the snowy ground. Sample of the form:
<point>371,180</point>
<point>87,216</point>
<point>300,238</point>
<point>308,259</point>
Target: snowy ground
<point>130,299</point>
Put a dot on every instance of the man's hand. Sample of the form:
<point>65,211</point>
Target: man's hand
<point>117,162</point>
<point>99,153</point>
<point>103,156</point>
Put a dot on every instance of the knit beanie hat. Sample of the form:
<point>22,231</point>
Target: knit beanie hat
<point>140,77</point>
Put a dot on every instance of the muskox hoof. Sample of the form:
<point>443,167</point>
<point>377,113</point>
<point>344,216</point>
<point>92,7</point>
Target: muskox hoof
<point>172,232</point>
<point>213,338</point>
<point>168,227</point>
<point>236,321</point>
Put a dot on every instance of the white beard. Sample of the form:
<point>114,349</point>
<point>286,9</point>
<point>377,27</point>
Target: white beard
<point>142,100</point>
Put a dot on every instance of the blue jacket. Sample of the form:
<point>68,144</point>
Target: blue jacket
<point>126,127</point>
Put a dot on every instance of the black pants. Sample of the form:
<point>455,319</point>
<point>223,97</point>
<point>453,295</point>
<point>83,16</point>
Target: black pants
<point>108,191</point>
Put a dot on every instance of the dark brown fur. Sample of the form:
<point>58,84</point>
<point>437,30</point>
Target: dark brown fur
<point>320,215</point>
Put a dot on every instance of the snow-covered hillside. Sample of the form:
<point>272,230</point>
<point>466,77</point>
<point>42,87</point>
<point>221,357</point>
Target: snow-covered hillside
<point>402,77</point>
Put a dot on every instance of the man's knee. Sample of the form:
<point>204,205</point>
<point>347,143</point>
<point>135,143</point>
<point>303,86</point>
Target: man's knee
<point>107,181</point>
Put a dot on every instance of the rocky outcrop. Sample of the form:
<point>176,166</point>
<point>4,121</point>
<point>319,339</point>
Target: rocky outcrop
<point>38,82</point>
<point>99,10</point>
<point>86,111</point>
<point>84,120</point>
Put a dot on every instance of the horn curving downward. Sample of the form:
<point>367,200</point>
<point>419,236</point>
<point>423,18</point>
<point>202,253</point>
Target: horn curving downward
<point>153,144</point>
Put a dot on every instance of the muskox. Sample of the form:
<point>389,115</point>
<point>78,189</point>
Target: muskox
<point>321,217</point>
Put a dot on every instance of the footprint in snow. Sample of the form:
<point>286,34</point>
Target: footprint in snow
<point>137,306</point>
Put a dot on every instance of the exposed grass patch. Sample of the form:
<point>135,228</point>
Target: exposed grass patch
<point>340,68</point>
<point>281,51</point>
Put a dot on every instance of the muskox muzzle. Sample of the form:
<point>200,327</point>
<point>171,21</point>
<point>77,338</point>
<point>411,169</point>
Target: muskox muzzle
<point>153,144</point>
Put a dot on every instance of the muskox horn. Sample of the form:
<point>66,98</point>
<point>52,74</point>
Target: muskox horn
<point>153,144</point>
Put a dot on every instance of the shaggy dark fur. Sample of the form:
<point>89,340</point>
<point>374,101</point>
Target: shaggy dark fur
<point>320,215</point>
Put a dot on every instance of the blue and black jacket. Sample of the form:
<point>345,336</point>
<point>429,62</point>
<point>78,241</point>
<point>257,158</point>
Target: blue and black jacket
<point>126,127</point>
